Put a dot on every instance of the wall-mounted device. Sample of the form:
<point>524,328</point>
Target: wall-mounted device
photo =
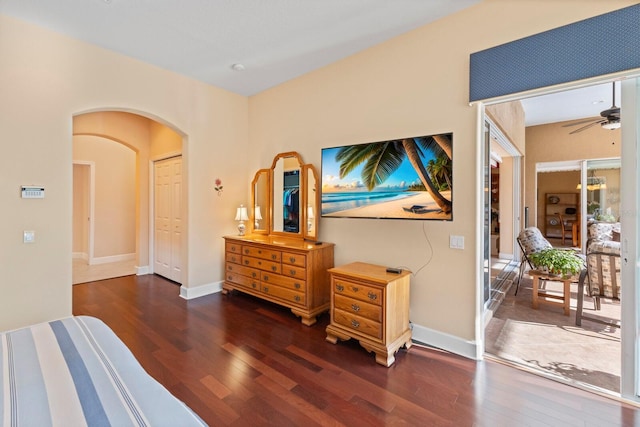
<point>30,192</point>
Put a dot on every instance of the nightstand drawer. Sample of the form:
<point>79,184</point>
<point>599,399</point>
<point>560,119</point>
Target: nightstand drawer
<point>358,323</point>
<point>353,306</point>
<point>357,290</point>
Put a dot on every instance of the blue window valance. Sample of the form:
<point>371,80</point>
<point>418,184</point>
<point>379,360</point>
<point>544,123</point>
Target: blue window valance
<point>596,46</point>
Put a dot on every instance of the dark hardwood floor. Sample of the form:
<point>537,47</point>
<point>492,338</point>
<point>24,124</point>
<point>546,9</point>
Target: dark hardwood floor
<point>240,361</point>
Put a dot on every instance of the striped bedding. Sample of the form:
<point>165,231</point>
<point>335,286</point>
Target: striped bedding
<point>77,372</point>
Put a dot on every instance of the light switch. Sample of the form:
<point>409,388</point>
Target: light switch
<point>29,236</point>
<point>456,242</point>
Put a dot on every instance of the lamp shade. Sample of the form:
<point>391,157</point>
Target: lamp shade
<point>241,214</point>
<point>256,212</point>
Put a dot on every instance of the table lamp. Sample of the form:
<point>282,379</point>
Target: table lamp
<point>241,215</point>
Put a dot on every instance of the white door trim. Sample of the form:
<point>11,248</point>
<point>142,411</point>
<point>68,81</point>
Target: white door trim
<point>629,201</point>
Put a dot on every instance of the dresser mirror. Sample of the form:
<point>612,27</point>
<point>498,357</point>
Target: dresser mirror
<point>260,207</point>
<point>285,198</point>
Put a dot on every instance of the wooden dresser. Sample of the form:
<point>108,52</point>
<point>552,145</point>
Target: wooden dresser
<point>370,305</point>
<point>289,272</point>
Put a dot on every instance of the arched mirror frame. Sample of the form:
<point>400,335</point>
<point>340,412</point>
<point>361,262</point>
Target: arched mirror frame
<point>260,202</point>
<point>308,192</point>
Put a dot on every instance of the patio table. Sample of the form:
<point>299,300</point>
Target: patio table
<point>542,296</point>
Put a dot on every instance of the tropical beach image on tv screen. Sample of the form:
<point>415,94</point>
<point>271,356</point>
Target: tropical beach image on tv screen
<point>406,178</point>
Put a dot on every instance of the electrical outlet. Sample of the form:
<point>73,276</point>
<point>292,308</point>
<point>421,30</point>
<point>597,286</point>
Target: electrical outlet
<point>29,236</point>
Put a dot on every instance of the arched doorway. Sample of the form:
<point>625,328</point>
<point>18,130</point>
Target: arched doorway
<point>147,139</point>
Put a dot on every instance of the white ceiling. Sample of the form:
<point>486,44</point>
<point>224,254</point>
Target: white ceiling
<point>275,40</point>
<point>570,105</point>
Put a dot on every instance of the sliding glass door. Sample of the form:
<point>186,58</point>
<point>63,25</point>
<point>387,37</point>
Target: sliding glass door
<point>600,192</point>
<point>630,237</point>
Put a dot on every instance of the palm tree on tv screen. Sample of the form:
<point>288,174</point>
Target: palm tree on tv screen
<point>381,160</point>
<point>440,171</point>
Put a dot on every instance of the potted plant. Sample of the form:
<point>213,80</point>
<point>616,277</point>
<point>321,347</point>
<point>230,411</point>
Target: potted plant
<point>561,262</point>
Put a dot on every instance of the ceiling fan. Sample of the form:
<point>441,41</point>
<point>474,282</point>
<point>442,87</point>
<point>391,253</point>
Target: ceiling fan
<point>610,117</point>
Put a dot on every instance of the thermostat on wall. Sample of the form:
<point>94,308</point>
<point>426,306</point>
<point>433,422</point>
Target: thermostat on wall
<point>32,192</point>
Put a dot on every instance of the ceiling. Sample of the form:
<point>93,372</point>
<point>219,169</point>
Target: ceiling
<point>275,40</point>
<point>570,105</point>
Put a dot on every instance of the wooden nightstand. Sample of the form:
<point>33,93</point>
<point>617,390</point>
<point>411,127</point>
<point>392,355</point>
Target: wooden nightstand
<point>372,306</point>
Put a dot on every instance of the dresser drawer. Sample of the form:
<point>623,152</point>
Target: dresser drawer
<point>245,271</point>
<point>294,259</point>
<point>231,247</point>
<point>357,290</point>
<point>294,271</point>
<point>354,306</point>
<point>261,264</point>
<point>234,257</point>
<point>284,293</point>
<point>257,252</point>
<point>245,281</point>
<point>284,281</point>
<point>358,323</point>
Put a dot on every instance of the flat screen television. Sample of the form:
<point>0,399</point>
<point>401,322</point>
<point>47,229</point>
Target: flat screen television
<point>405,178</point>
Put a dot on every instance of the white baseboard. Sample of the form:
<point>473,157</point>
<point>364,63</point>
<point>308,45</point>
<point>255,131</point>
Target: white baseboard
<point>112,258</point>
<point>450,343</point>
<point>200,291</point>
<point>142,270</point>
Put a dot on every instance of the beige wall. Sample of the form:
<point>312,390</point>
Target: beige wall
<point>46,79</point>
<point>509,117</point>
<point>114,194</point>
<point>415,84</point>
<point>552,143</point>
<point>163,141</point>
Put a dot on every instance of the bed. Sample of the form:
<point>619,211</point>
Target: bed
<point>75,372</point>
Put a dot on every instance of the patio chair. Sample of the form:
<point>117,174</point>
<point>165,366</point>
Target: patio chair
<point>567,229</point>
<point>602,275</point>
<point>530,241</point>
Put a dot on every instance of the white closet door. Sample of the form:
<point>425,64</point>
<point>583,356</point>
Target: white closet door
<point>168,218</point>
